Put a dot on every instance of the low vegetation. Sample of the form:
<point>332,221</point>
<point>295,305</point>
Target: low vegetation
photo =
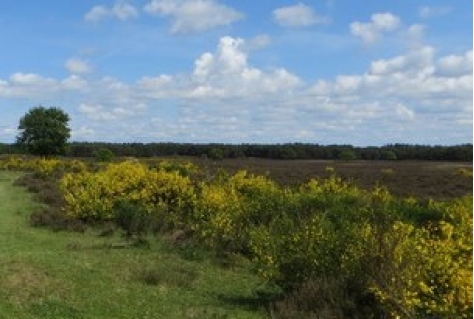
<point>324,248</point>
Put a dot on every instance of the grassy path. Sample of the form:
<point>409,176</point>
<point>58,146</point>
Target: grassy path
<point>47,274</point>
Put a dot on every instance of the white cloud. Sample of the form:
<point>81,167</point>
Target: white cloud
<point>96,13</point>
<point>228,70</point>
<point>113,112</point>
<point>397,96</point>
<point>427,12</point>
<point>77,66</point>
<point>258,42</point>
<point>21,85</point>
<point>124,11</point>
<point>30,79</point>
<point>455,65</point>
<point>120,10</point>
<point>82,132</point>
<point>409,77</point>
<point>194,15</point>
<point>299,15</point>
<point>223,73</point>
<point>415,35</point>
<point>74,82</point>
<point>371,31</point>
<point>413,61</point>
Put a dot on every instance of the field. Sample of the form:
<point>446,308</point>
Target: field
<point>166,239</point>
<point>423,179</point>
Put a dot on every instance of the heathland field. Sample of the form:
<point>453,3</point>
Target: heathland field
<point>420,179</point>
<point>247,238</point>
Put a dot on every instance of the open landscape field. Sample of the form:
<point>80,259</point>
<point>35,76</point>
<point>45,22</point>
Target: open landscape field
<point>420,179</point>
<point>235,238</point>
<point>217,159</point>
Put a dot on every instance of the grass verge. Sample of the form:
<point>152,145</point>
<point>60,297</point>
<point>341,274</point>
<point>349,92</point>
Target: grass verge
<point>48,274</point>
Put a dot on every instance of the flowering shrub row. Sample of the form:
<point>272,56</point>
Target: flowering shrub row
<point>44,167</point>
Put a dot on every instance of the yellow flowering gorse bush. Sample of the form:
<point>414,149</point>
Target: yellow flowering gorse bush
<point>93,196</point>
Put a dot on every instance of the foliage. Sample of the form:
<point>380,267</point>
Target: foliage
<point>216,154</point>
<point>388,155</point>
<point>42,167</point>
<point>93,196</point>
<point>44,131</point>
<point>461,152</point>
<point>347,155</point>
<point>104,155</point>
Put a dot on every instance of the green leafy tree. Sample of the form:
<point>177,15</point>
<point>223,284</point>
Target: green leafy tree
<point>104,155</point>
<point>389,155</point>
<point>216,154</point>
<point>44,131</point>
<point>347,155</point>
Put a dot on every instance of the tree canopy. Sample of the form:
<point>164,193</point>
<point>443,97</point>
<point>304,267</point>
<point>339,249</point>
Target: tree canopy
<point>44,131</point>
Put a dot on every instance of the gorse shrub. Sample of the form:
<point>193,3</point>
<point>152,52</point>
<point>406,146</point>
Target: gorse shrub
<point>229,206</point>
<point>42,167</point>
<point>92,196</point>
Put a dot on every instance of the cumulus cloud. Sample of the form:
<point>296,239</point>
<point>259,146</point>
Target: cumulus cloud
<point>396,94</point>
<point>299,15</point>
<point>223,73</point>
<point>371,31</point>
<point>404,86</point>
<point>191,16</point>
<point>120,10</point>
<point>456,65</point>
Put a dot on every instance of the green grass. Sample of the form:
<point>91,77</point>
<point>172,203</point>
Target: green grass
<point>47,274</point>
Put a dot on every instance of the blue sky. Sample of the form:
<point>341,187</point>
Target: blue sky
<point>329,72</point>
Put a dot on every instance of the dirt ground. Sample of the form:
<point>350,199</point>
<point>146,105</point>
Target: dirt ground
<point>420,179</point>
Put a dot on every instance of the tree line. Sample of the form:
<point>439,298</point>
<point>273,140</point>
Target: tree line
<point>286,151</point>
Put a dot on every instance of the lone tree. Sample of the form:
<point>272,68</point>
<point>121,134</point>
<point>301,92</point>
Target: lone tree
<point>44,131</point>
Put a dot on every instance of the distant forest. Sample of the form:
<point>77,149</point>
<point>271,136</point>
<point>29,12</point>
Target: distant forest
<point>462,152</point>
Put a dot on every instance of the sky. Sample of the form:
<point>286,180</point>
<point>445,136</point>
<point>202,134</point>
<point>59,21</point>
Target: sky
<point>366,73</point>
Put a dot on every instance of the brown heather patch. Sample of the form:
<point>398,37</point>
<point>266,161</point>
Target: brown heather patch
<point>419,179</point>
